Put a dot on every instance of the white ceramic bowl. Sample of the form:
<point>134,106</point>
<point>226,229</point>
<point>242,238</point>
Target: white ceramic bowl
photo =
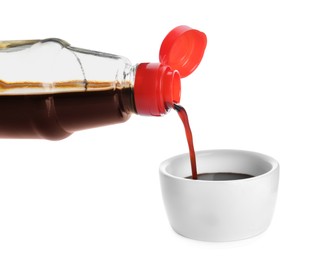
<point>220,210</point>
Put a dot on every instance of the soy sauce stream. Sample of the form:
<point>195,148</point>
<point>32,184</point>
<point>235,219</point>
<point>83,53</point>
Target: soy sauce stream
<point>184,117</point>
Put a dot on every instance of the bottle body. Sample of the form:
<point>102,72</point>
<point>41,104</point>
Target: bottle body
<point>49,89</point>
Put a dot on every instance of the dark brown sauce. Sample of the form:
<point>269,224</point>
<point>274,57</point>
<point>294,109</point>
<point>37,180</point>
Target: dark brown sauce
<point>221,176</point>
<point>217,176</point>
<point>183,116</point>
<point>57,115</point>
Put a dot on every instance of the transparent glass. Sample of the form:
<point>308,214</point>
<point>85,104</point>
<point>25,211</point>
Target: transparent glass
<point>53,65</point>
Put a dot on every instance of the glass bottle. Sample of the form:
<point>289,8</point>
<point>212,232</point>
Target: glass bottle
<point>49,89</point>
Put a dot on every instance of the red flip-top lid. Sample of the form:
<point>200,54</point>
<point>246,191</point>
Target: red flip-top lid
<point>157,85</point>
<point>183,49</point>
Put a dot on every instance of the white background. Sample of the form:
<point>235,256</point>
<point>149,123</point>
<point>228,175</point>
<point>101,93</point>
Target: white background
<point>96,195</point>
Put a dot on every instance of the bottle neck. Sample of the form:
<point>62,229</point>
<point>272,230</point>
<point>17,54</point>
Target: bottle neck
<point>84,110</point>
<point>125,93</point>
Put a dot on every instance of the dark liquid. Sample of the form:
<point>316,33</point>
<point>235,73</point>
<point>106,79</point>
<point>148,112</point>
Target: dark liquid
<point>221,176</point>
<point>217,176</point>
<point>57,115</point>
<point>183,116</point>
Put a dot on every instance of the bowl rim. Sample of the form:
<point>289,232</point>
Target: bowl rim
<point>274,163</point>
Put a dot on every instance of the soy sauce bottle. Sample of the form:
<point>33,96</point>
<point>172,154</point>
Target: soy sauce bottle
<point>49,89</point>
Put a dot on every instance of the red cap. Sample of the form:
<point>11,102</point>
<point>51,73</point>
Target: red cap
<point>157,85</point>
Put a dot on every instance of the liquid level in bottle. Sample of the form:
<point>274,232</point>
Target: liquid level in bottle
<point>30,87</point>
